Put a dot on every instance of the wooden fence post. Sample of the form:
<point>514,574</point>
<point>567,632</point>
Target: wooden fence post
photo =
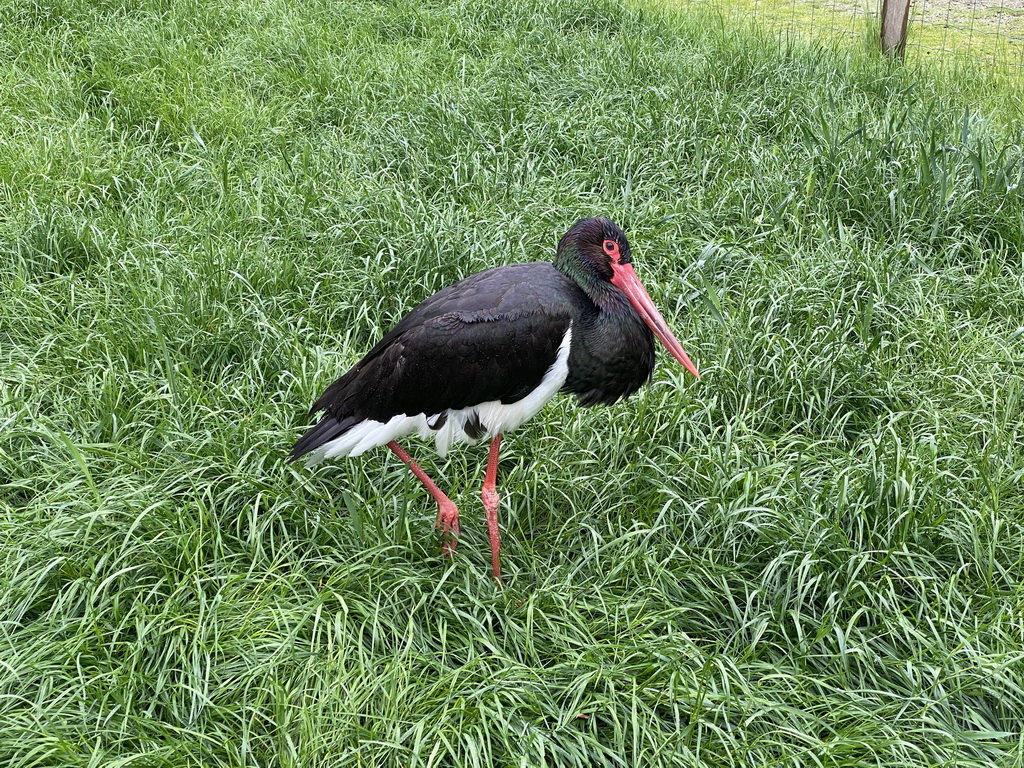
<point>894,26</point>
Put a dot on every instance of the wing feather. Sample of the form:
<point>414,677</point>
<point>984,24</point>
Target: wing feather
<point>489,337</point>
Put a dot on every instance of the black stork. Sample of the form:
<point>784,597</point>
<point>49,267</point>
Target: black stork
<point>482,356</point>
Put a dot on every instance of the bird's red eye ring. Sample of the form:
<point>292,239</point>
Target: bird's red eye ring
<point>612,249</point>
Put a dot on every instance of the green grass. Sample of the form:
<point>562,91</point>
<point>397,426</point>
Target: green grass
<point>812,557</point>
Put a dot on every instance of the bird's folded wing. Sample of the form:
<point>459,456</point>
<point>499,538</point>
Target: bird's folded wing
<point>452,360</point>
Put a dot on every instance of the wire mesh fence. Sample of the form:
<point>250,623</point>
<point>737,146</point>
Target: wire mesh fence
<point>990,32</point>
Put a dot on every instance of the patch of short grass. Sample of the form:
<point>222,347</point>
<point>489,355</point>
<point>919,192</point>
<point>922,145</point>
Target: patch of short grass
<point>209,210</point>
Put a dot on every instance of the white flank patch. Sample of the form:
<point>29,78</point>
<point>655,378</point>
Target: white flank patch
<point>494,415</point>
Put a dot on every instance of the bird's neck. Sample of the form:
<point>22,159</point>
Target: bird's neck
<point>606,296</point>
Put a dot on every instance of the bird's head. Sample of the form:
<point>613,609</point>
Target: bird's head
<point>596,245</point>
<point>596,254</point>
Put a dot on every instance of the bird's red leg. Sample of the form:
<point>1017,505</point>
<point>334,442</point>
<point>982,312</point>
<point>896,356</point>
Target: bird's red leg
<point>490,497</point>
<point>447,512</point>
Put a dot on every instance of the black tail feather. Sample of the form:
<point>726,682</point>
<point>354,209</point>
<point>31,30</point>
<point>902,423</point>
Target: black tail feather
<point>326,430</point>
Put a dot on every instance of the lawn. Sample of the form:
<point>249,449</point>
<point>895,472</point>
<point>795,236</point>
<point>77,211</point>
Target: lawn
<point>814,556</point>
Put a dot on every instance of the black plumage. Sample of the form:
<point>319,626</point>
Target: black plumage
<point>489,337</point>
<point>456,349</point>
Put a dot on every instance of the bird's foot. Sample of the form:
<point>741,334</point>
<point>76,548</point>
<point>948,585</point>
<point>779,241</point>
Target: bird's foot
<point>448,525</point>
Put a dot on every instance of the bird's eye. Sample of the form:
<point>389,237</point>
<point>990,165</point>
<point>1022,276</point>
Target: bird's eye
<point>612,249</point>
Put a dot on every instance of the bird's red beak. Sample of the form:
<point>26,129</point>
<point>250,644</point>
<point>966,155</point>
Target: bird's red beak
<point>624,277</point>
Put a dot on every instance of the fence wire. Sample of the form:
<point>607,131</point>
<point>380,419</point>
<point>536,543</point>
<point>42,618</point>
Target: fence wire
<point>987,31</point>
